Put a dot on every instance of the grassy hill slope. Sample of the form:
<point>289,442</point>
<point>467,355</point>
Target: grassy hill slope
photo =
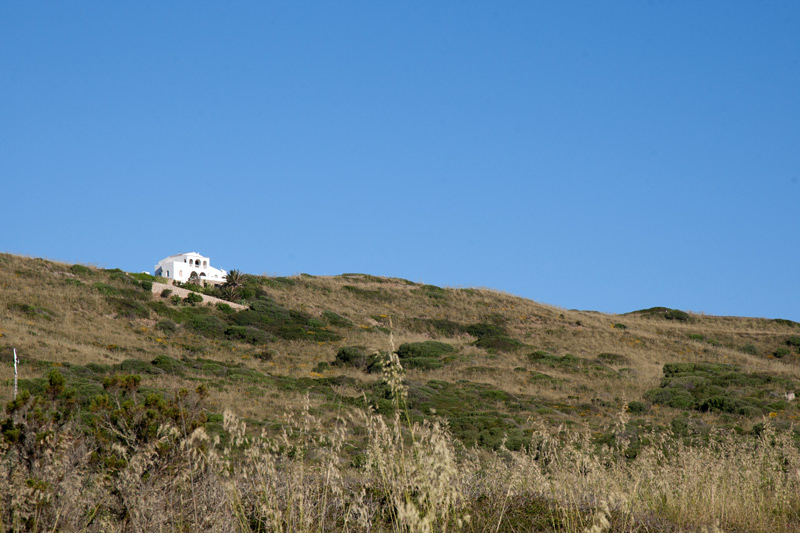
<point>503,372</point>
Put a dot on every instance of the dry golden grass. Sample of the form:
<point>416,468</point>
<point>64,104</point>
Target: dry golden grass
<point>409,477</point>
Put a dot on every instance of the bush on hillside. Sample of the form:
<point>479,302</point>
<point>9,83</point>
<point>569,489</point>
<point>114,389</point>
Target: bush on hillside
<point>500,343</point>
<point>206,325</point>
<point>483,329</point>
<point>166,325</point>
<point>80,270</point>
<point>336,320</point>
<point>193,298</point>
<point>248,334</point>
<point>427,349</point>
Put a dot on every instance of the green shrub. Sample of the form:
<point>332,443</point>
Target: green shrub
<point>352,356</point>
<point>176,299</point>
<point>422,363</point>
<point>138,366</point>
<point>432,291</point>
<point>357,357</point>
<point>166,293</point>
<point>225,308</point>
<point>166,325</point>
<point>619,325</point>
<point>637,407</point>
<point>781,352</point>
<point>336,320</point>
<point>485,330</point>
<point>146,285</point>
<point>105,289</point>
<point>749,349</point>
<point>664,312</point>
<point>427,349</point>
<point>80,270</point>
<point>315,323</point>
<point>193,298</point>
<point>321,367</point>
<point>169,365</point>
<point>247,334</point>
<point>499,343</point>
<point>672,397</point>
<point>130,308</point>
<point>697,336</point>
<point>794,341</point>
<point>206,325</point>
<point>676,314</point>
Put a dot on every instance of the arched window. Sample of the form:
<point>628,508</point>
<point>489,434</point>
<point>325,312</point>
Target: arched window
<point>167,273</point>
<point>197,262</point>
<point>205,263</point>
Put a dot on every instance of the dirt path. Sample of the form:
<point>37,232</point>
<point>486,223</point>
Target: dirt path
<point>183,293</point>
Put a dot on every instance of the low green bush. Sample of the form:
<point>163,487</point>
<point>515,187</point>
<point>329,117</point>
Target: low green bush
<point>500,343</point>
<point>166,293</point>
<point>336,320</point>
<point>206,325</point>
<point>247,334</point>
<point>794,341</point>
<point>169,365</point>
<point>637,407</point>
<point>749,349</point>
<point>166,325</point>
<point>128,308</point>
<point>80,270</point>
<point>193,298</point>
<point>138,366</point>
<point>677,314</point>
<point>782,351</point>
<point>427,349</point>
<point>483,329</point>
<point>422,363</point>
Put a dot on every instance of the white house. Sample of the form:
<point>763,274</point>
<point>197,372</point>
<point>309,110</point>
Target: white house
<point>180,267</point>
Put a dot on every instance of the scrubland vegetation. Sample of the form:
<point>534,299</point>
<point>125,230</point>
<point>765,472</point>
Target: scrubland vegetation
<point>361,403</point>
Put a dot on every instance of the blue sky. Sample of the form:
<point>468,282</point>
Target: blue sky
<point>594,155</point>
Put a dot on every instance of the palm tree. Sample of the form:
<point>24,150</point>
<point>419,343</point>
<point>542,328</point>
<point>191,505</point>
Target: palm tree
<point>235,278</point>
<point>233,281</point>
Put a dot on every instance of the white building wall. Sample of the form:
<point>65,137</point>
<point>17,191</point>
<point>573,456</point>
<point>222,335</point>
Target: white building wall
<point>180,268</point>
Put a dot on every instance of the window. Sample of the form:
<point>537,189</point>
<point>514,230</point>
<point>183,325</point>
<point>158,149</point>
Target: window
<point>167,273</point>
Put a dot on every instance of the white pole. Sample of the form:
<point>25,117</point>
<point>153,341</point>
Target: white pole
<point>15,373</point>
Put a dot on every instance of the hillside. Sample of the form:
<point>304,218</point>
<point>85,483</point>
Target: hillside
<point>500,370</point>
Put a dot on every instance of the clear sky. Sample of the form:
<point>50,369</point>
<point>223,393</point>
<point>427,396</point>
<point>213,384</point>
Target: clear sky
<point>594,155</point>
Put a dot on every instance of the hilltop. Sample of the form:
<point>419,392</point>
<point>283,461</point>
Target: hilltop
<point>497,369</point>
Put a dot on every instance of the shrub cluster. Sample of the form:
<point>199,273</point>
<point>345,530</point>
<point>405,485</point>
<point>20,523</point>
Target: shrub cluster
<point>719,387</point>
